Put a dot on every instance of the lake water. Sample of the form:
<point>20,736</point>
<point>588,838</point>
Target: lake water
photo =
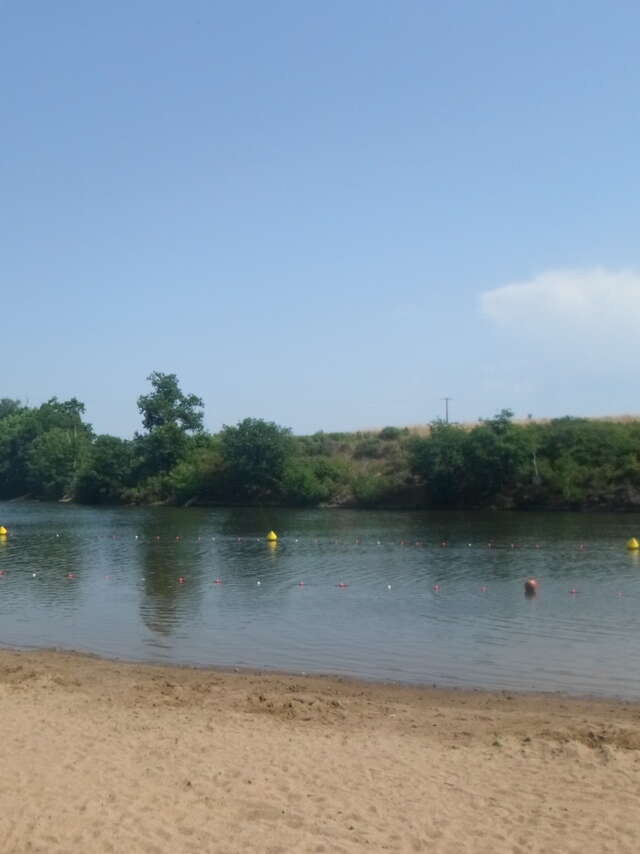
<point>140,583</point>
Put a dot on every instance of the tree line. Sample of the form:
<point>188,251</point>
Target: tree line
<point>50,452</point>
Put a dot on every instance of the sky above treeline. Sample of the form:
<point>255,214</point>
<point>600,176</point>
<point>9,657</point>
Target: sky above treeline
<point>329,215</point>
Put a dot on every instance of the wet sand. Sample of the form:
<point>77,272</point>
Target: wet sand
<point>102,756</point>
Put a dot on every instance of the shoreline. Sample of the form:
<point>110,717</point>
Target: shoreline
<point>587,508</point>
<point>109,755</point>
<point>346,679</point>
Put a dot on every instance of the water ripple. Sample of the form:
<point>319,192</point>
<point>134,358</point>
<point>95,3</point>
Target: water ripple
<point>404,596</point>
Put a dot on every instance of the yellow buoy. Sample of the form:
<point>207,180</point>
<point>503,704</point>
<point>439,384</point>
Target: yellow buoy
<point>633,544</point>
<point>272,537</point>
<point>3,531</point>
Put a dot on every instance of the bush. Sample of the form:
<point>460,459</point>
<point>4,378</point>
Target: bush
<point>371,490</point>
<point>154,490</point>
<point>369,448</point>
<point>314,481</point>
<point>390,433</point>
<point>197,477</point>
<point>302,486</point>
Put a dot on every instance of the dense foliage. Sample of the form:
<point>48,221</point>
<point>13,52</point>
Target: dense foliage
<point>50,452</point>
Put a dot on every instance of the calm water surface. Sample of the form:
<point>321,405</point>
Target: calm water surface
<point>109,581</point>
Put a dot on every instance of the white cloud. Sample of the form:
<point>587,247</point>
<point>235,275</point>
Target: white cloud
<point>564,341</point>
<point>593,311</point>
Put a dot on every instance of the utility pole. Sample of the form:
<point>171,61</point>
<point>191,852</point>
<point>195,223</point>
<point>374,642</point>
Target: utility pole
<point>446,408</point>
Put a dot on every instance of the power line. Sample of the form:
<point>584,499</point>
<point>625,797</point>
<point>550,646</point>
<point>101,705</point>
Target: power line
<point>446,408</point>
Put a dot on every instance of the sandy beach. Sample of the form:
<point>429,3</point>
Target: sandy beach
<point>102,756</point>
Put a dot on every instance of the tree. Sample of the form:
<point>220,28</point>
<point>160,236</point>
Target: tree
<point>199,475</point>
<point>105,471</point>
<point>17,431</point>
<point>255,455</point>
<point>497,452</point>
<point>501,423</point>
<point>171,419</point>
<point>167,405</point>
<point>9,407</point>
<point>52,460</point>
<point>29,463</point>
<point>439,460</point>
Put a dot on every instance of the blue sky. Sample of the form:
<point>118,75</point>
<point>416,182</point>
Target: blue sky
<point>326,214</point>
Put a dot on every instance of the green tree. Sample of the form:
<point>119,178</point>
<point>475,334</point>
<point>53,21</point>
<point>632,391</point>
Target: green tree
<point>171,420</point>
<point>199,476</point>
<point>9,407</point>
<point>587,462</point>
<point>496,453</point>
<point>440,461</point>
<point>105,471</point>
<point>255,455</point>
<point>52,460</point>
<point>17,431</point>
<point>42,470</point>
<point>167,405</point>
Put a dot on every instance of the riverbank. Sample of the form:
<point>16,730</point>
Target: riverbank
<point>497,463</point>
<point>109,756</point>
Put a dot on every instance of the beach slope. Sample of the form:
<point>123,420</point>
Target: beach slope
<point>101,756</point>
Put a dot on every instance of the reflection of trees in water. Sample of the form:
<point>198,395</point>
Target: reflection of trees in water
<point>251,521</point>
<point>166,602</point>
<point>158,607</point>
